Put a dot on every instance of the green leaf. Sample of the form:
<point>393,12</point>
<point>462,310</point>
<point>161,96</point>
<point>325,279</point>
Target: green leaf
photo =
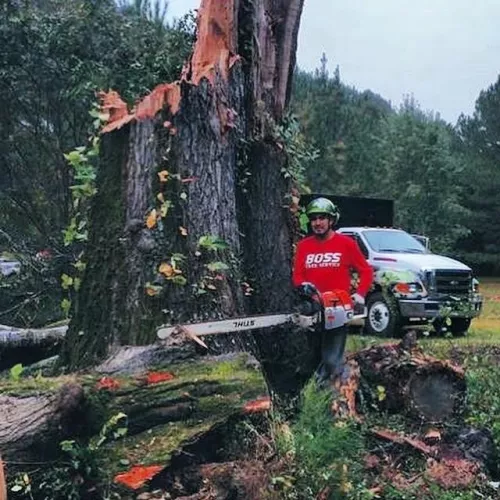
<point>67,446</point>
<point>80,265</point>
<point>210,242</point>
<point>381,393</point>
<point>66,306</point>
<point>16,371</point>
<point>217,266</point>
<point>77,282</point>
<point>178,280</point>
<point>66,281</point>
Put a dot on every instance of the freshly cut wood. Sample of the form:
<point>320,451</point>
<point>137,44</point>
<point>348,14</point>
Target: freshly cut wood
<point>3,484</point>
<point>401,439</point>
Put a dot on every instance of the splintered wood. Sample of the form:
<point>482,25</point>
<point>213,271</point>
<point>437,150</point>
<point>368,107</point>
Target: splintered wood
<point>214,53</point>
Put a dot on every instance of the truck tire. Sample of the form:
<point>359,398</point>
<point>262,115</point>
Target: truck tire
<point>383,316</point>
<point>459,326</point>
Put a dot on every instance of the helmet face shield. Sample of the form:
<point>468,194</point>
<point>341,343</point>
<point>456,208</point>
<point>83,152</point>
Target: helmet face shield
<point>323,206</point>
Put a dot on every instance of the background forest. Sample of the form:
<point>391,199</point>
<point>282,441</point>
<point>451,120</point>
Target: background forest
<point>55,56</point>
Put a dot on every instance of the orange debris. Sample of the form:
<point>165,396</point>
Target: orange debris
<point>259,405</point>
<point>107,383</point>
<point>166,93</point>
<point>453,473</point>
<point>137,475</point>
<point>215,49</point>
<point>157,377</point>
<point>113,105</point>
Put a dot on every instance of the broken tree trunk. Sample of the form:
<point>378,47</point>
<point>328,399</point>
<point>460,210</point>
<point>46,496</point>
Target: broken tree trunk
<point>192,215</point>
<point>399,379</point>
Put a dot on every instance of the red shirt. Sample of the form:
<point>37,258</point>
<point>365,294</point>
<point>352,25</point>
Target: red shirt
<point>327,264</point>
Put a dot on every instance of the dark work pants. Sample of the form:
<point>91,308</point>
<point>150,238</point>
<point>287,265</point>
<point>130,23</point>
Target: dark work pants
<point>332,354</point>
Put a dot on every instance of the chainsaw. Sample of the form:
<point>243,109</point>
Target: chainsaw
<point>327,311</point>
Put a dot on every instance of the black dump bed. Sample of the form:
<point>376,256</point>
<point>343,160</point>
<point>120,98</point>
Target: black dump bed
<point>358,211</point>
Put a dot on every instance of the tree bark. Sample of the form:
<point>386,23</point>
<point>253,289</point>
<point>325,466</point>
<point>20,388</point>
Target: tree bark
<point>26,346</point>
<point>33,425</point>
<point>35,419</point>
<point>203,149</point>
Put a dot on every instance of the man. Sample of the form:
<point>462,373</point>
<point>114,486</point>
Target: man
<point>325,259</point>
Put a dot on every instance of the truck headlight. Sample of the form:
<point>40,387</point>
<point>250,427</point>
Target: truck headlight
<point>409,288</point>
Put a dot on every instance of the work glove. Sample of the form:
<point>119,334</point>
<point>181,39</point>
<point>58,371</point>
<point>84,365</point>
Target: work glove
<point>358,299</point>
<point>308,289</point>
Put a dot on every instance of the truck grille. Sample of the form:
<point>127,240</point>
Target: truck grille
<point>453,282</point>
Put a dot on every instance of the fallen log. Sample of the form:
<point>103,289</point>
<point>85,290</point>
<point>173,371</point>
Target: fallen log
<point>400,378</point>
<point>177,403</point>
<point>28,345</point>
<point>30,423</point>
<point>16,337</point>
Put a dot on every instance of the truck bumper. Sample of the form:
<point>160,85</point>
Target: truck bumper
<point>431,308</point>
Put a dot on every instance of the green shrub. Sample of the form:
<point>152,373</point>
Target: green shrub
<point>323,453</point>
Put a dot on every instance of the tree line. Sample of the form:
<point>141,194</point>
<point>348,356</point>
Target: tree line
<point>444,178</point>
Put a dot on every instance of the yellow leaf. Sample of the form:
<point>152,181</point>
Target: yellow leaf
<point>164,209</point>
<point>163,176</point>
<point>152,290</point>
<point>151,220</point>
<point>160,197</point>
<point>183,231</point>
<point>166,269</point>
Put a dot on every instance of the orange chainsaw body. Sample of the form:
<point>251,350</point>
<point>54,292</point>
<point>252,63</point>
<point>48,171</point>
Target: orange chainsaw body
<point>337,309</point>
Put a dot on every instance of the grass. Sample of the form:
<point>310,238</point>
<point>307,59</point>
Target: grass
<point>484,330</point>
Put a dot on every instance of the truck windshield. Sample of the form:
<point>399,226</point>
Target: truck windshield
<point>393,241</point>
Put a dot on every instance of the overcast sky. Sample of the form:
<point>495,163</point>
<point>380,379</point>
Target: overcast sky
<point>444,52</point>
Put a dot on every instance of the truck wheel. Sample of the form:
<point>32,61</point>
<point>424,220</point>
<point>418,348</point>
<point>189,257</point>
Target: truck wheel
<point>384,318</point>
<point>459,326</point>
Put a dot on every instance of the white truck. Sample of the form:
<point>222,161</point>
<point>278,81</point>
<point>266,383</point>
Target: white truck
<point>412,285</point>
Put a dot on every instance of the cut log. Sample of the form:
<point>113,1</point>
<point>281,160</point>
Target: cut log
<point>396,379</point>
<point>32,424</point>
